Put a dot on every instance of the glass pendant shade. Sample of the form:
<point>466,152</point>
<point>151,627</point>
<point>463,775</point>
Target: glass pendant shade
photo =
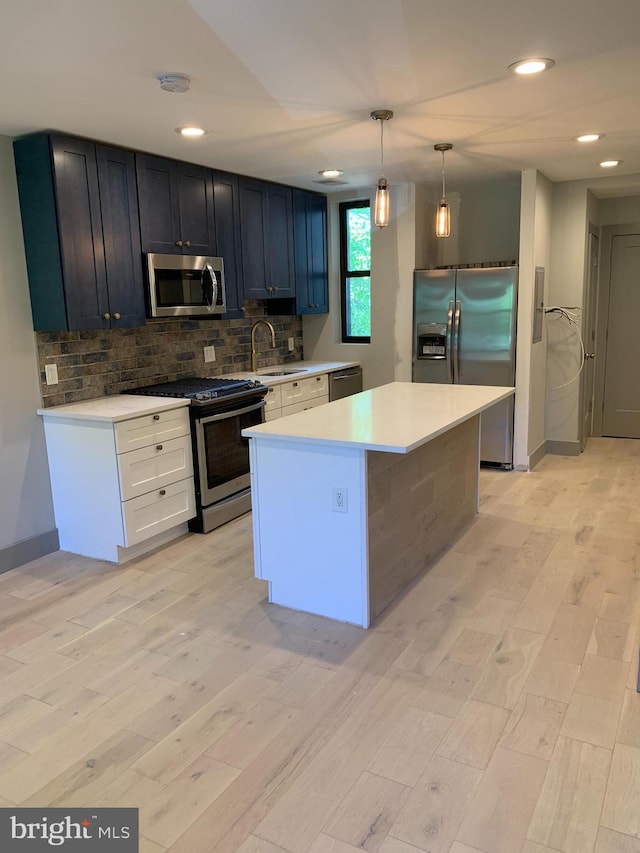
<point>443,219</point>
<point>443,214</point>
<point>381,210</point>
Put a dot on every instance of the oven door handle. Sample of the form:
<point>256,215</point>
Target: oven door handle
<point>232,414</point>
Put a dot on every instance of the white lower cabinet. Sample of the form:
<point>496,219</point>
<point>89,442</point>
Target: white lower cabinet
<point>120,484</point>
<point>296,396</point>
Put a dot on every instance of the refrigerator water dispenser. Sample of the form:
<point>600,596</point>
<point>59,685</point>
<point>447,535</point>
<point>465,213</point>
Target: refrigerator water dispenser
<point>432,340</point>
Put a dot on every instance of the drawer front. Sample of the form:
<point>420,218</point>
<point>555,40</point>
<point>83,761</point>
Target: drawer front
<point>296,391</point>
<point>318,386</point>
<point>273,400</point>
<point>158,511</point>
<point>151,429</point>
<point>154,466</point>
<point>273,414</point>
<point>303,405</point>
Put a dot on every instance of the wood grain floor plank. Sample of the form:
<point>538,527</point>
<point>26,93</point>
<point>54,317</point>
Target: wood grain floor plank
<point>621,809</point>
<point>534,726</point>
<point>406,752</point>
<point>499,815</point>
<point>568,809</point>
<point>474,734</point>
<point>613,842</point>
<point>367,812</point>
<point>432,815</point>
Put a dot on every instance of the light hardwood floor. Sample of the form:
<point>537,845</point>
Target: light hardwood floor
<point>490,709</point>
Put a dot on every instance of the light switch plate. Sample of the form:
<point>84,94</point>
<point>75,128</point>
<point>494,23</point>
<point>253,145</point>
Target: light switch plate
<point>210,353</point>
<point>292,345</point>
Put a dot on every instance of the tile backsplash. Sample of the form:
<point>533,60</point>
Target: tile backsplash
<point>94,363</point>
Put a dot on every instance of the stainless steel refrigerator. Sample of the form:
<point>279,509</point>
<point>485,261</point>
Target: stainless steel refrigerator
<point>464,331</point>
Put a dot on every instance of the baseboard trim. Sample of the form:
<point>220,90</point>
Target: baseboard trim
<point>563,448</point>
<point>537,455</point>
<point>29,549</point>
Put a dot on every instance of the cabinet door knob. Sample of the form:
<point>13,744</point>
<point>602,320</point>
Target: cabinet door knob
<point>106,316</point>
<point>163,492</point>
<point>187,243</point>
<point>158,447</point>
<point>295,384</point>
<point>156,417</point>
<point>178,242</point>
<point>117,315</point>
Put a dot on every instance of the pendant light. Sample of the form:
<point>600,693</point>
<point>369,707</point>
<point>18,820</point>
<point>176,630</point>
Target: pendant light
<point>443,215</point>
<point>381,211</point>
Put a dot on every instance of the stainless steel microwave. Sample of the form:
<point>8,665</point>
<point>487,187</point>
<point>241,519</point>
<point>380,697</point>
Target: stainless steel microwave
<point>185,286</point>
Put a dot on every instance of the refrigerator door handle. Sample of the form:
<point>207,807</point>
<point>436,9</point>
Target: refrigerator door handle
<point>456,343</point>
<point>450,343</point>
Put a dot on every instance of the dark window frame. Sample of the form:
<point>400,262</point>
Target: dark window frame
<point>345,273</point>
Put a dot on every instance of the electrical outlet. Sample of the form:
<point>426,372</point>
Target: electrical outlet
<point>340,499</point>
<point>51,373</point>
<point>210,353</point>
<point>292,345</point>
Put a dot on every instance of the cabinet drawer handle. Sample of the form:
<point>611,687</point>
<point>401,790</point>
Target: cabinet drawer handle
<point>163,492</point>
<point>156,417</point>
<point>158,447</point>
<point>106,316</point>
<point>318,378</point>
<point>178,242</point>
<point>187,243</point>
<point>295,384</point>
<point>117,315</point>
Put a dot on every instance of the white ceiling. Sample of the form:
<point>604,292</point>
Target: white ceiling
<point>285,87</point>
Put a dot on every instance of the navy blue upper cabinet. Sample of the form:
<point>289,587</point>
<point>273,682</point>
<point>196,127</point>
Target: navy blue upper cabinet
<point>176,207</point>
<point>80,222</point>
<point>266,228</point>
<point>226,202</point>
<point>310,245</point>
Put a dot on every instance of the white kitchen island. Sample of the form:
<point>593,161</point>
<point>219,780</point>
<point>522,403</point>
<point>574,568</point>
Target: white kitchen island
<point>352,500</point>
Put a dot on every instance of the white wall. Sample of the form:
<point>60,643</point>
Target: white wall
<point>485,223</point>
<point>566,288</point>
<point>535,250</point>
<point>26,509</point>
<point>619,211</point>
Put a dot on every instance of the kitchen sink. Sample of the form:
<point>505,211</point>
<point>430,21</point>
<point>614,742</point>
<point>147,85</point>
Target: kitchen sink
<point>281,372</point>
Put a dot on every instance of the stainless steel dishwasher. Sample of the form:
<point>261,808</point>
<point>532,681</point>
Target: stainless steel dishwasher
<point>344,383</point>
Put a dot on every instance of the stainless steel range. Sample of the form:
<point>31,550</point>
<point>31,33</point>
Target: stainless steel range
<point>219,410</point>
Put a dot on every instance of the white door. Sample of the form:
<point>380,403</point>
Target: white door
<point>589,333</point>
<point>621,410</point>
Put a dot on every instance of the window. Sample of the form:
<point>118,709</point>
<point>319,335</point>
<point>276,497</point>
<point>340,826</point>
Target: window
<point>355,271</point>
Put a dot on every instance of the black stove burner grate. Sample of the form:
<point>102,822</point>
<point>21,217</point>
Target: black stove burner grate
<point>197,389</point>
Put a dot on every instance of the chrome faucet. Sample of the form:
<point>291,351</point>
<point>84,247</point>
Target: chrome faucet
<point>254,352</point>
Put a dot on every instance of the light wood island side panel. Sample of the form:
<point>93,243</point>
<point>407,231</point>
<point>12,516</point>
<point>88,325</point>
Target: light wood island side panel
<point>417,504</point>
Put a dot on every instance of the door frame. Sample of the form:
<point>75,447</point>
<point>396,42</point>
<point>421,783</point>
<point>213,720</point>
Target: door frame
<point>608,232</point>
<point>589,321</point>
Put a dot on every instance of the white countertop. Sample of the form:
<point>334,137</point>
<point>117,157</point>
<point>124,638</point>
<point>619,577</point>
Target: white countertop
<point>305,368</point>
<point>395,418</point>
<point>117,407</point>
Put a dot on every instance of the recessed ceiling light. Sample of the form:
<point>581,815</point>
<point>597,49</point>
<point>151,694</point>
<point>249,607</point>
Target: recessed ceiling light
<point>609,164</point>
<point>331,173</point>
<point>190,131</point>
<point>589,137</point>
<point>531,66</point>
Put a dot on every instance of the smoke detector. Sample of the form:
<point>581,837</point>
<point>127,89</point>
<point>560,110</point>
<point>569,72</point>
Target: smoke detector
<point>174,82</point>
